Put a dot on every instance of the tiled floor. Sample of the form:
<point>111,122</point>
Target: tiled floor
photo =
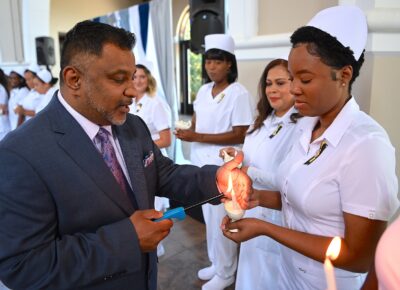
<point>185,254</point>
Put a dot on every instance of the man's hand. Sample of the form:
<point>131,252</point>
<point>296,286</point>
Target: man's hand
<point>242,185</point>
<point>150,233</point>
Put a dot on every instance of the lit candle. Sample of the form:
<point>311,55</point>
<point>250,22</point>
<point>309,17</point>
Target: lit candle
<point>234,211</point>
<point>331,254</point>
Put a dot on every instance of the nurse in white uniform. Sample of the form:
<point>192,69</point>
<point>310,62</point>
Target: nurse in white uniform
<point>32,96</point>
<point>4,122</point>
<point>339,177</point>
<point>157,117</point>
<point>18,92</point>
<point>267,143</point>
<point>223,113</point>
<point>46,85</point>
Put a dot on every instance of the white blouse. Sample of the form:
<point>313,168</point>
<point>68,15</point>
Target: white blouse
<point>354,172</point>
<point>219,114</point>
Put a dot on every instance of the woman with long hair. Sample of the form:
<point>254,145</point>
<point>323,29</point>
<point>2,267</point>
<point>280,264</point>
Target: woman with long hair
<point>150,108</point>
<point>266,144</point>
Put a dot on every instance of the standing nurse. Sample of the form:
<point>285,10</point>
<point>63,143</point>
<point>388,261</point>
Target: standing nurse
<point>267,143</point>
<point>222,116</point>
<point>339,178</point>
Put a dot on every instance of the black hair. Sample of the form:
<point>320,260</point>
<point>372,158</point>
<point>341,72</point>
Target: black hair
<point>219,54</point>
<point>328,48</point>
<point>264,108</point>
<point>30,71</point>
<point>89,37</point>
<point>4,81</point>
<point>21,79</point>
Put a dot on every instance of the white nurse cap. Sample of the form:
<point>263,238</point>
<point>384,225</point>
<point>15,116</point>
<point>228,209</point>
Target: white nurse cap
<point>33,68</point>
<point>19,71</point>
<point>220,41</point>
<point>347,23</point>
<point>45,76</point>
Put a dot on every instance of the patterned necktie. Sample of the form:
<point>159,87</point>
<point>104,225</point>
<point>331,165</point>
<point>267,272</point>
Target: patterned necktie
<point>106,149</point>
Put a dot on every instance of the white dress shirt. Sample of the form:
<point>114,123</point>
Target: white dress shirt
<point>92,129</point>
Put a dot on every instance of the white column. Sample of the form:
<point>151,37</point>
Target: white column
<point>241,18</point>
<point>35,23</point>
<point>11,51</point>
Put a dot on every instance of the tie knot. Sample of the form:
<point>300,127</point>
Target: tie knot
<point>103,134</point>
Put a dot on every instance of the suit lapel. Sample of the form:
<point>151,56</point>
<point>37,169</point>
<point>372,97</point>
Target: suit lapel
<point>80,148</point>
<point>133,156</point>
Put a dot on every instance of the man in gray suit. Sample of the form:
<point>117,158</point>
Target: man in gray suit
<point>77,182</point>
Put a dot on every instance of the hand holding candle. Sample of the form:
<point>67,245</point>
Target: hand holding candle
<point>241,183</point>
<point>331,254</point>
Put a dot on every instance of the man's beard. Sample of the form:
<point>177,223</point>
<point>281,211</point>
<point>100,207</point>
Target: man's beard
<point>106,115</point>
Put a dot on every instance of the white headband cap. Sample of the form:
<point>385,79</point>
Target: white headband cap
<point>347,23</point>
<point>220,41</point>
<point>44,75</point>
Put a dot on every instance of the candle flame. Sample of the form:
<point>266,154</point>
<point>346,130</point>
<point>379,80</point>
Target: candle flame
<point>334,248</point>
<point>230,184</point>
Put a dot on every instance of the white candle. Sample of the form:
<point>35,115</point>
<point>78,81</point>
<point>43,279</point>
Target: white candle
<point>330,275</point>
<point>331,253</point>
<point>232,207</point>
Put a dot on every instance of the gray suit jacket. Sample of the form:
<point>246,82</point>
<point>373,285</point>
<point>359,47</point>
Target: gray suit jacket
<point>64,222</point>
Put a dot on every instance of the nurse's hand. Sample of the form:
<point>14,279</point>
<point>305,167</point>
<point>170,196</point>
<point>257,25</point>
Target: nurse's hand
<point>248,228</point>
<point>254,199</point>
<point>18,110</point>
<point>227,150</point>
<point>186,135</point>
<point>242,184</point>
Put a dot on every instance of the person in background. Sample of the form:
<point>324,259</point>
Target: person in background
<point>77,182</point>
<point>339,177</point>
<point>267,143</point>
<point>45,86</point>
<point>26,108</point>
<point>19,91</point>
<point>222,115</point>
<point>147,106</point>
<point>4,93</point>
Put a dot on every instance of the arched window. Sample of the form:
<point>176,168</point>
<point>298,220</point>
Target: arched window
<point>189,64</point>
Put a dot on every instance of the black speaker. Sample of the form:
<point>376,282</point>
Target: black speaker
<point>206,17</point>
<point>45,51</point>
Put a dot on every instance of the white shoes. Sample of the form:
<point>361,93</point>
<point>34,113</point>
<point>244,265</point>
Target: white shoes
<point>160,250</point>
<point>218,283</point>
<point>206,273</point>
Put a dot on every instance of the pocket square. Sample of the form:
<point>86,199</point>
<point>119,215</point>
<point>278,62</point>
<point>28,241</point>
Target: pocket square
<point>148,159</point>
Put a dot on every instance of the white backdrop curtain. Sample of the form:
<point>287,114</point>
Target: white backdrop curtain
<point>161,23</point>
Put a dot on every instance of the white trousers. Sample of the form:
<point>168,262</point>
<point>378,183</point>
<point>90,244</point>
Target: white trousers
<point>222,252</point>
